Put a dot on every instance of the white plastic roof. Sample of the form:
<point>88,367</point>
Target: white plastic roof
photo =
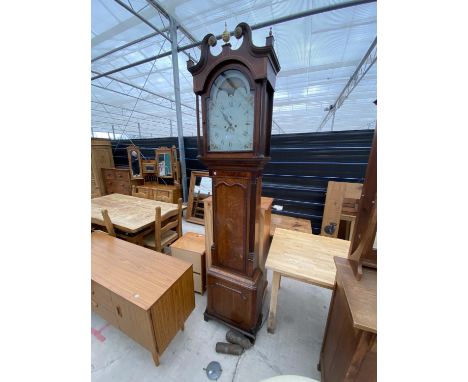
<point>318,54</point>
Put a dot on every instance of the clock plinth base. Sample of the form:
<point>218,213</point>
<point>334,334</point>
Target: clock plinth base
<point>235,300</point>
<point>252,334</point>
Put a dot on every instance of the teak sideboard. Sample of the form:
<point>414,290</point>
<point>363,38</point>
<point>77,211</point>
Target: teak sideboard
<point>146,294</point>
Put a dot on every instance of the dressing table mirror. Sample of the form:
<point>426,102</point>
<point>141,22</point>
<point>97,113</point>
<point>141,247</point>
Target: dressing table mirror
<point>164,162</point>
<point>134,162</point>
<point>200,188</point>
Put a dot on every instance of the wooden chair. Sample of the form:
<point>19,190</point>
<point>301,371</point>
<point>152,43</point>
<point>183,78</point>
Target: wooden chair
<point>341,203</point>
<point>167,233</point>
<point>138,194</point>
<point>108,223</point>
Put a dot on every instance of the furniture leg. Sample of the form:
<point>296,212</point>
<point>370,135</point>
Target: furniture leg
<point>273,302</point>
<point>351,230</point>
<point>182,327</point>
<point>348,230</point>
<point>155,358</point>
<point>279,282</point>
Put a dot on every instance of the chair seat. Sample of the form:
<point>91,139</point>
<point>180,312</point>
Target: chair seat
<point>166,238</point>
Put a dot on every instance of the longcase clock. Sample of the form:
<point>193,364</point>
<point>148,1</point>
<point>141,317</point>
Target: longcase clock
<point>234,92</point>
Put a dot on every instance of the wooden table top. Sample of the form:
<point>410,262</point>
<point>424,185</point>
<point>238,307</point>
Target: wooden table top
<point>361,295</point>
<point>138,274</point>
<point>128,213</point>
<point>306,257</point>
<point>288,222</point>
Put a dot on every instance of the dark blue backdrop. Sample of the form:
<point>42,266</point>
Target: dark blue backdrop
<point>297,175</point>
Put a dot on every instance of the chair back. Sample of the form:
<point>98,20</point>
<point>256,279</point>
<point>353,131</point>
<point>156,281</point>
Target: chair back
<point>138,194</point>
<point>108,223</point>
<point>172,221</point>
<point>342,200</point>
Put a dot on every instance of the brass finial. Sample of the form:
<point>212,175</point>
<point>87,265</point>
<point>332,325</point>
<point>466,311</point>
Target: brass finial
<point>226,34</point>
<point>270,39</point>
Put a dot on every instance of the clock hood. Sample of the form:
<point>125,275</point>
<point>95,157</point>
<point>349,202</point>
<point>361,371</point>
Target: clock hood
<point>262,62</point>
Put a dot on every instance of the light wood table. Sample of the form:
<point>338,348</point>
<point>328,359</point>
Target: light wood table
<point>146,294</point>
<point>289,222</point>
<point>304,257</point>
<point>129,214</point>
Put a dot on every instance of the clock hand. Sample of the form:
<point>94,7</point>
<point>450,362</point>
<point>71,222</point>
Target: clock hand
<point>226,118</point>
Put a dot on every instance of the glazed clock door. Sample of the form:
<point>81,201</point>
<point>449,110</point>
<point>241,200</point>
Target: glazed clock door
<point>230,113</point>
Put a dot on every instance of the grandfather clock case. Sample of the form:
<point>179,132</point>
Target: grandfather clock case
<point>234,92</point>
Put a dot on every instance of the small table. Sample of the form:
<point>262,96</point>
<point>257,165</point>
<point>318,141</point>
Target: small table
<point>129,214</point>
<point>304,257</point>
<point>146,294</point>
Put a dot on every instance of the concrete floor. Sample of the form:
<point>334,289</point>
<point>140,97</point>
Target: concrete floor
<point>293,349</point>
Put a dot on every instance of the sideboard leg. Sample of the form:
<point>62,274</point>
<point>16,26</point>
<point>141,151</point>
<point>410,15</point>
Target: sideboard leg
<point>156,358</point>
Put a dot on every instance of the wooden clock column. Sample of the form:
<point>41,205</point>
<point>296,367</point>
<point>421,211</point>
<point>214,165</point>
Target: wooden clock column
<point>236,89</point>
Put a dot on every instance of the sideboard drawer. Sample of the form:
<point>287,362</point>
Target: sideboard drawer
<point>122,175</point>
<point>164,196</point>
<point>101,295</point>
<point>107,314</point>
<point>101,303</point>
<point>109,186</point>
<point>108,173</point>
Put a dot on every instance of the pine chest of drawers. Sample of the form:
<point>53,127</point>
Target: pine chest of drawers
<point>117,181</point>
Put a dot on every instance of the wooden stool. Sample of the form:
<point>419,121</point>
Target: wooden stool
<point>191,248</point>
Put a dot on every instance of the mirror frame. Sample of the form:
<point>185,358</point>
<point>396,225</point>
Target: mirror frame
<point>129,150</point>
<point>188,215</point>
<point>164,150</point>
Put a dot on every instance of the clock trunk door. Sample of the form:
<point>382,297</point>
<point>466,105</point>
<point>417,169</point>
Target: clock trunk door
<point>231,210</point>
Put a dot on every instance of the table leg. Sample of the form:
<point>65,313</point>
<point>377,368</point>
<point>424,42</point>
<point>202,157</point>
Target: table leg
<point>351,230</point>
<point>348,228</point>
<point>273,302</point>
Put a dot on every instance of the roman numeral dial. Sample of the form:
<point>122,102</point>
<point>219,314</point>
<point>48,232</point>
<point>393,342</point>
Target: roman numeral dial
<point>230,113</point>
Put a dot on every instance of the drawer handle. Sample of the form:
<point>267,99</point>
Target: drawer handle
<point>243,296</point>
<point>119,312</point>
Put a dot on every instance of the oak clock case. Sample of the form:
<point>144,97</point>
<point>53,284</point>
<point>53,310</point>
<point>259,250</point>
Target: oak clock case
<point>235,91</point>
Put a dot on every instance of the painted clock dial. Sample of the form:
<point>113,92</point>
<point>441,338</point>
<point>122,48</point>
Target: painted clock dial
<point>230,113</point>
